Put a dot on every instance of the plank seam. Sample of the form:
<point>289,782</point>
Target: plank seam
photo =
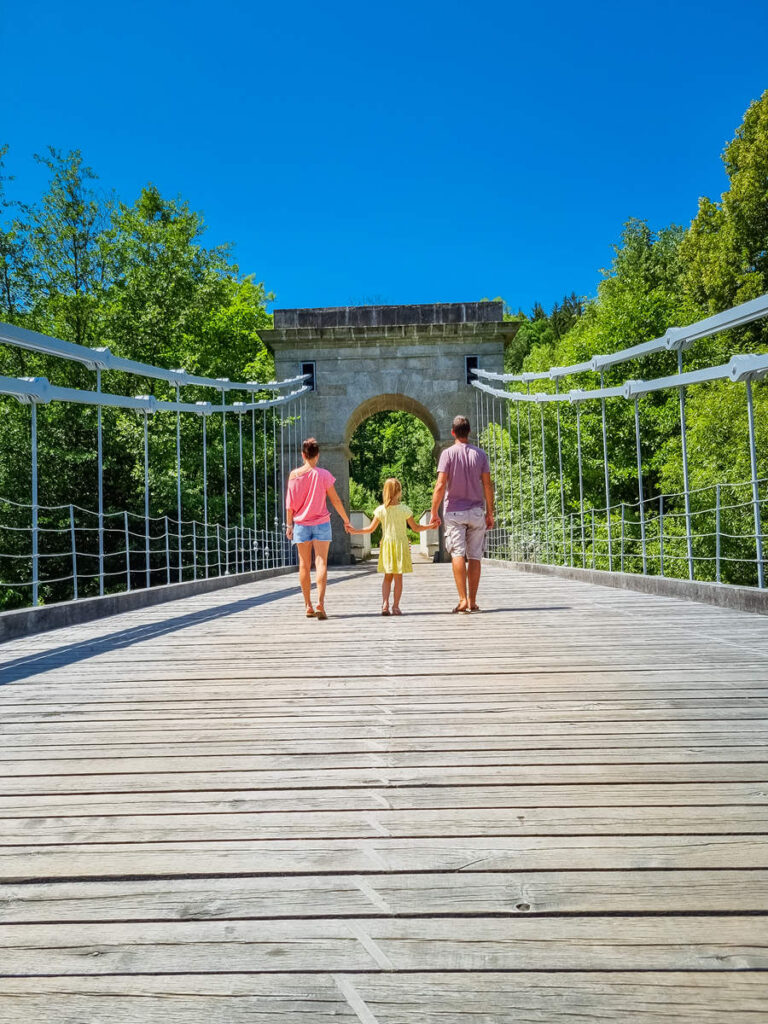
<point>376,899</point>
<point>374,951</point>
<point>354,1000</point>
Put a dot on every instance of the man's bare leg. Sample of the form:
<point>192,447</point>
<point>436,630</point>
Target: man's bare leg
<point>473,579</point>
<point>460,577</point>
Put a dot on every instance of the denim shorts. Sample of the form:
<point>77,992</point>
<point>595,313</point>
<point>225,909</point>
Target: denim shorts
<point>303,533</point>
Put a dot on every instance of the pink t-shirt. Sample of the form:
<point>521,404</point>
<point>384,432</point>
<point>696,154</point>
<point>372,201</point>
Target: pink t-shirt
<point>306,496</point>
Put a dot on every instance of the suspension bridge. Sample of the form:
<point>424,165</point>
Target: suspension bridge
<point>555,810</point>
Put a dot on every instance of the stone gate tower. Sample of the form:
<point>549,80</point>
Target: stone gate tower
<point>369,359</point>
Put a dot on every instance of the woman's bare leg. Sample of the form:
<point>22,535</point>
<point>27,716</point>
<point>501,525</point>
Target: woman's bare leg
<point>305,563</point>
<point>321,568</point>
<point>398,591</point>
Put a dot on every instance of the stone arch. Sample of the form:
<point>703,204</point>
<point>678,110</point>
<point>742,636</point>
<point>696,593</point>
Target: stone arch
<point>390,403</point>
<point>370,359</point>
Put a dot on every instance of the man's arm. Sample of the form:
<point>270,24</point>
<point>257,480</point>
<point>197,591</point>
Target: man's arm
<point>488,488</point>
<point>437,496</point>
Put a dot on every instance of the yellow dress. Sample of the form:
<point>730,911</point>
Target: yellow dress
<point>395,550</point>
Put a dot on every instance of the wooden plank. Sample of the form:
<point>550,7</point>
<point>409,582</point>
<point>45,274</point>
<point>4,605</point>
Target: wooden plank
<point>572,998</point>
<point>387,727</point>
<point>427,823</point>
<point>720,772</point>
<point>269,897</point>
<point>227,999</point>
<point>111,860</point>
<point>386,758</point>
<point>406,721</point>
<point>521,943</point>
<point>111,714</point>
<point>373,798</point>
<point>465,997</point>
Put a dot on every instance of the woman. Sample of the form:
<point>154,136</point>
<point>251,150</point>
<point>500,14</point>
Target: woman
<point>309,522</point>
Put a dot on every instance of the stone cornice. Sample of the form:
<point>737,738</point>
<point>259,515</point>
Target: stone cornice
<point>352,337</point>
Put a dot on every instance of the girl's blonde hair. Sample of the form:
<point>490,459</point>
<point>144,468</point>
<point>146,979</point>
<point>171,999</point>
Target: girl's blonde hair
<point>391,491</point>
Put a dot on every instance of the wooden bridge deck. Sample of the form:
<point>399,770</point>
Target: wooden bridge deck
<point>216,811</point>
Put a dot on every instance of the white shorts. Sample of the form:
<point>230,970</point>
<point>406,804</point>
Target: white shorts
<point>465,533</point>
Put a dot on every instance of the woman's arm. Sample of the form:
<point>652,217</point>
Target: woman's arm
<point>288,513</point>
<point>336,502</point>
<point>364,529</point>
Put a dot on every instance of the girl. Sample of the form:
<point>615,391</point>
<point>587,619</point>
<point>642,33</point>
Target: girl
<point>395,550</point>
<point>308,521</point>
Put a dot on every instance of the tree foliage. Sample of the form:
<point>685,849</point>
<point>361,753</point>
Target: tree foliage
<point>136,277</point>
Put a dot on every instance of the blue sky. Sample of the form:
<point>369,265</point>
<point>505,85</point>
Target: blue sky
<point>396,152</point>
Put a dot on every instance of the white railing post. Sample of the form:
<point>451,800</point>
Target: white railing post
<point>127,552</point>
<point>74,550</point>
<point>755,487</point>
<point>35,511</point>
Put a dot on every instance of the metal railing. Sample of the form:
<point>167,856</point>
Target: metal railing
<point>122,550</point>
<point>698,533</point>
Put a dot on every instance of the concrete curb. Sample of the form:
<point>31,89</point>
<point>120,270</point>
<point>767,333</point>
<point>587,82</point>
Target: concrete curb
<point>27,621</point>
<point>723,595</point>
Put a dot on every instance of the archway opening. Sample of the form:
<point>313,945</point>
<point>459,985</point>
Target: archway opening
<point>391,444</point>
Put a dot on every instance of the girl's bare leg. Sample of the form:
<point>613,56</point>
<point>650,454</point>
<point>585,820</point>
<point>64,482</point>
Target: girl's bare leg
<point>398,591</point>
<point>386,585</point>
<point>321,569</point>
<point>305,563</point>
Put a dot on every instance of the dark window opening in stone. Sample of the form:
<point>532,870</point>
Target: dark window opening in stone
<point>471,363</point>
<point>310,369</point>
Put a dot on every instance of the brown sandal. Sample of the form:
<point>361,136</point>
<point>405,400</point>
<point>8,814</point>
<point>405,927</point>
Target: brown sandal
<point>320,612</point>
<point>310,612</point>
<point>458,609</point>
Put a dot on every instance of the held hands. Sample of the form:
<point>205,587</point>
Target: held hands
<point>434,523</point>
<point>349,527</point>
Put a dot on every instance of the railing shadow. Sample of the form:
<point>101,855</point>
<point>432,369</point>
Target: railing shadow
<point>69,654</point>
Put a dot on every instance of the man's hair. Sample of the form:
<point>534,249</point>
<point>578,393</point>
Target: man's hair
<point>461,426</point>
<point>310,447</point>
<point>391,491</point>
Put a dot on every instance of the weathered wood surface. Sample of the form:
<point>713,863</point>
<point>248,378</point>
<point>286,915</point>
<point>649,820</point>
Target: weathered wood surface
<point>552,811</point>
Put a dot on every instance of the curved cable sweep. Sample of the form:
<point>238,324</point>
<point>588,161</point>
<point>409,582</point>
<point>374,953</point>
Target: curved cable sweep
<point>529,531</point>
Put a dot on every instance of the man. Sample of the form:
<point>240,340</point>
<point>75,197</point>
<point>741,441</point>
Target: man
<point>464,480</point>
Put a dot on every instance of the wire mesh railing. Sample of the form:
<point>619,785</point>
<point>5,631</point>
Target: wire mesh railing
<point>129,552</point>
<point>54,552</point>
<point>722,544</point>
<point>546,507</point>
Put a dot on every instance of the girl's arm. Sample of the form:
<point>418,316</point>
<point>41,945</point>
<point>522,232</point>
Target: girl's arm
<point>336,502</point>
<point>417,527</point>
<point>365,529</point>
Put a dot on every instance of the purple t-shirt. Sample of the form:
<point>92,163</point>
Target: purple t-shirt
<point>463,465</point>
